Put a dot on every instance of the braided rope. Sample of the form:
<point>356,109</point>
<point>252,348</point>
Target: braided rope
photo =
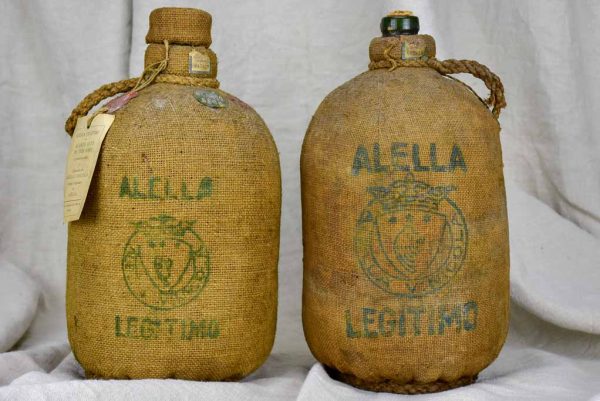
<point>152,73</point>
<point>114,88</point>
<point>496,99</point>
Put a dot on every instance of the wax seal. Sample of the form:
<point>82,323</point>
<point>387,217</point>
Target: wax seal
<point>210,98</point>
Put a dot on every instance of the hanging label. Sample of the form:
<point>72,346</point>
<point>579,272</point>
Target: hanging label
<point>199,62</point>
<point>414,50</point>
<point>81,162</point>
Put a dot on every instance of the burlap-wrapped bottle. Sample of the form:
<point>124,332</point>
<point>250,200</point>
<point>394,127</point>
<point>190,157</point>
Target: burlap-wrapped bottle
<point>406,255</point>
<point>172,268</point>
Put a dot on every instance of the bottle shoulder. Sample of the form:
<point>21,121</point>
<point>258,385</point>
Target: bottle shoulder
<point>188,109</point>
<point>416,94</point>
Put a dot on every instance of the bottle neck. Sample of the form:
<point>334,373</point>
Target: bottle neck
<point>402,47</point>
<point>190,61</point>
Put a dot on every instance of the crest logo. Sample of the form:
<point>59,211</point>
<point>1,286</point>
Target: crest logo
<point>165,263</point>
<point>411,239</point>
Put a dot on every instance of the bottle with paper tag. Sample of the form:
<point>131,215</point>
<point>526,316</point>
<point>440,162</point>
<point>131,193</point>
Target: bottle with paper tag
<point>173,196</point>
<point>405,230</point>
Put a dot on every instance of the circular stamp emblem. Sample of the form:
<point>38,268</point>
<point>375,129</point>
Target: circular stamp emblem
<point>411,239</point>
<point>165,263</point>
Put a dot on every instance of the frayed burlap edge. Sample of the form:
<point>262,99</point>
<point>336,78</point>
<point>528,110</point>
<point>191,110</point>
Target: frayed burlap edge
<point>391,386</point>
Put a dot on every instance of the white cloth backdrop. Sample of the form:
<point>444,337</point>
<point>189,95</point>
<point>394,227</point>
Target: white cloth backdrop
<point>283,57</point>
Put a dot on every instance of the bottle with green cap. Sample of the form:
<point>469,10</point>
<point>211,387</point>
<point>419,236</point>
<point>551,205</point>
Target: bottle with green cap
<point>406,256</point>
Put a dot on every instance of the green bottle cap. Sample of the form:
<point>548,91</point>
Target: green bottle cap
<point>399,23</point>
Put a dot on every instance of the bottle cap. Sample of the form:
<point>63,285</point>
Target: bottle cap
<point>399,23</point>
<point>180,26</point>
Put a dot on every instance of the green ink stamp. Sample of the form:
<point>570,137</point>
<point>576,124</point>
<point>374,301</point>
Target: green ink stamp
<point>165,263</point>
<point>210,98</point>
<point>411,239</point>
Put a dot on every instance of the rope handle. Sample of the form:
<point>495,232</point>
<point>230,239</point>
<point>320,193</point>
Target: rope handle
<point>91,100</point>
<point>496,100</point>
<point>151,74</point>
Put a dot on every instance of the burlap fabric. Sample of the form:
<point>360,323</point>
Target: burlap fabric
<point>394,46</point>
<point>179,59</point>
<point>406,255</point>
<point>180,26</point>
<point>172,268</point>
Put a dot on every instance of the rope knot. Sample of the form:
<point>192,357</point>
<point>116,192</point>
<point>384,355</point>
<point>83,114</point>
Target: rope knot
<point>390,59</point>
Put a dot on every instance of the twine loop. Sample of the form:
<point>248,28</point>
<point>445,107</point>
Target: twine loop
<point>152,74</point>
<point>496,99</point>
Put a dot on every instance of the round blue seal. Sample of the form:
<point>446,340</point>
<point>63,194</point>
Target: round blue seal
<point>411,239</point>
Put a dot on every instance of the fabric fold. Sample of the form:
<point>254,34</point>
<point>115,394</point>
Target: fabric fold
<point>19,296</point>
<point>555,265</point>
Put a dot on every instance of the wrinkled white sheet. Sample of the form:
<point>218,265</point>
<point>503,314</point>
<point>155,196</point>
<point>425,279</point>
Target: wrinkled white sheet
<point>287,55</point>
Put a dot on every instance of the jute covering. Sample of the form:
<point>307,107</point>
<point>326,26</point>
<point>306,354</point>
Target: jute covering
<point>179,59</point>
<point>180,26</point>
<point>406,255</point>
<point>172,268</point>
<point>395,46</point>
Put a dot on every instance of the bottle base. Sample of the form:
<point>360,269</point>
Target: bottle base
<point>390,386</point>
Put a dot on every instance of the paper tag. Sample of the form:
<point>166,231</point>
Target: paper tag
<point>199,62</point>
<point>413,50</point>
<point>81,162</point>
